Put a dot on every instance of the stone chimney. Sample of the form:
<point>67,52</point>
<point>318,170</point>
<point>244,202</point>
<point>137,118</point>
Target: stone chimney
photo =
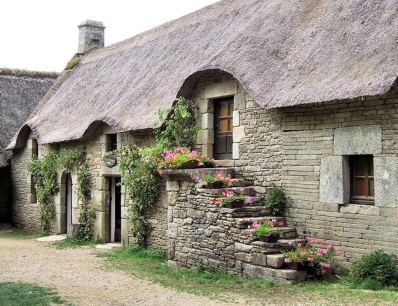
<point>91,35</point>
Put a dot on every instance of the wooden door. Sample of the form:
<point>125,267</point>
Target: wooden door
<point>115,209</point>
<point>223,128</point>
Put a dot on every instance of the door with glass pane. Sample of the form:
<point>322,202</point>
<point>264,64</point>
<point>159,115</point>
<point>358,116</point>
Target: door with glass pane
<point>223,128</point>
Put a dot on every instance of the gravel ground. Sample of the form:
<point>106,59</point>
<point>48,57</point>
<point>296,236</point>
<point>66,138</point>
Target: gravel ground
<point>76,275</point>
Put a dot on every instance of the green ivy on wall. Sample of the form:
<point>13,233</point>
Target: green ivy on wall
<point>44,172</point>
<point>140,178</point>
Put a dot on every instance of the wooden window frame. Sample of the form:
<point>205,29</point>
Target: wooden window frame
<point>364,200</point>
<point>112,142</point>
<point>229,133</point>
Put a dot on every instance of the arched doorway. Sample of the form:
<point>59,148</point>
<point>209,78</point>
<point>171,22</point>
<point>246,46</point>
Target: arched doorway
<point>68,201</point>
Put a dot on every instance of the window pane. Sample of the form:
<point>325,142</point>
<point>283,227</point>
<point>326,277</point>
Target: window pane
<point>223,109</point>
<point>360,187</point>
<point>360,166</point>
<point>371,188</point>
<point>223,126</point>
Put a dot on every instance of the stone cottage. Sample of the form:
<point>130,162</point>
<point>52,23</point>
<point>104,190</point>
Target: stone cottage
<point>300,94</point>
<point>20,92</point>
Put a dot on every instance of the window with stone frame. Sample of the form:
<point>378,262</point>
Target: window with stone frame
<point>223,128</point>
<point>362,179</point>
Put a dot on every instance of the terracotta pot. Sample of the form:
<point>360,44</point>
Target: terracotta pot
<point>270,238</point>
<point>238,203</point>
<point>215,185</point>
<point>191,164</point>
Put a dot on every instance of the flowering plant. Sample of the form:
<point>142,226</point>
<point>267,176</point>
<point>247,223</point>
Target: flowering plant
<point>175,158</point>
<point>262,227</point>
<point>216,177</point>
<point>229,195</point>
<point>312,253</point>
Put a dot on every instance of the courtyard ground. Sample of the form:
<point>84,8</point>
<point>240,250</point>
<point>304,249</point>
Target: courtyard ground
<point>83,275</point>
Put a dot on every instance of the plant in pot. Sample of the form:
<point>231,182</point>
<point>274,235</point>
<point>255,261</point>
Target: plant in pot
<point>231,199</point>
<point>312,256</point>
<point>276,200</point>
<point>267,231</point>
<point>182,158</point>
<point>216,181</point>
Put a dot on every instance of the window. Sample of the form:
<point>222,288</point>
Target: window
<point>362,179</point>
<point>35,148</point>
<point>112,142</point>
<point>223,128</point>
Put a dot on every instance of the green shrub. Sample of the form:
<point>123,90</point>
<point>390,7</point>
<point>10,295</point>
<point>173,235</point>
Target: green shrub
<point>375,271</point>
<point>276,199</point>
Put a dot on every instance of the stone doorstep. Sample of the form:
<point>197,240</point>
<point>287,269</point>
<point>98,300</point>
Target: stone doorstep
<point>53,238</point>
<point>281,275</point>
<point>184,174</point>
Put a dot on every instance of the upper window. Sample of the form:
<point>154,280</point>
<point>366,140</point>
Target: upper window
<point>362,179</point>
<point>112,142</point>
<point>223,128</point>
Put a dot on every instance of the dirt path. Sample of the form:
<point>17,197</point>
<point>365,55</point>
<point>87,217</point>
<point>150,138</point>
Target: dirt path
<point>77,275</point>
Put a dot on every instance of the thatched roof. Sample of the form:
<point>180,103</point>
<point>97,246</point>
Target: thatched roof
<point>282,52</point>
<point>20,92</point>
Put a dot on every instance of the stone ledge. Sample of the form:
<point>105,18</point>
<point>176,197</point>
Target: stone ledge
<point>187,174</point>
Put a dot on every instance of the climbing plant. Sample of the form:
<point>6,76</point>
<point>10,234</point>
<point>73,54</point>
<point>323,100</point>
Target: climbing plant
<point>44,172</point>
<point>140,178</point>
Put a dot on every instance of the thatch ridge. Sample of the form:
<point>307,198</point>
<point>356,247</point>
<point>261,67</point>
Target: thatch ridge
<point>28,73</point>
<point>282,52</point>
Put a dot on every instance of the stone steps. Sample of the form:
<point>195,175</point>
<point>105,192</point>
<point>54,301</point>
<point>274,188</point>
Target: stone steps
<point>286,276</point>
<point>237,182</point>
<point>288,232</point>
<point>249,191</point>
<point>243,223</point>
<point>247,211</point>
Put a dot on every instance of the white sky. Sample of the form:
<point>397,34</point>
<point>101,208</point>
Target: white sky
<point>43,34</point>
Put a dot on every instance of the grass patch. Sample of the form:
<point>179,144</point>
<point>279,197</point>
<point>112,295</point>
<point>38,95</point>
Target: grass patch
<point>18,233</point>
<point>151,265</point>
<point>67,244</point>
<point>17,294</point>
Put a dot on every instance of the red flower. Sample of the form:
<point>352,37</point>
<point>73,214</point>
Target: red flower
<point>159,170</point>
<point>216,191</point>
<point>213,200</point>
<point>295,258</point>
<point>323,271</point>
<point>159,160</point>
<point>318,242</point>
<point>201,170</point>
<point>173,162</point>
<point>281,223</point>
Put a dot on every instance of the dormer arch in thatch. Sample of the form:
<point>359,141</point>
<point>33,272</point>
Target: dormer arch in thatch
<point>20,139</point>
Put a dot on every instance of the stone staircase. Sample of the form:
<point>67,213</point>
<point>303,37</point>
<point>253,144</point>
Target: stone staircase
<point>257,259</point>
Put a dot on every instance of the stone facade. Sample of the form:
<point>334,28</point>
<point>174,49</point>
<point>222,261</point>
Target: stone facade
<point>302,149</point>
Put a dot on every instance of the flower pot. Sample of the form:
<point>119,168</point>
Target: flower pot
<point>238,203</point>
<point>270,238</point>
<point>191,164</point>
<point>214,185</point>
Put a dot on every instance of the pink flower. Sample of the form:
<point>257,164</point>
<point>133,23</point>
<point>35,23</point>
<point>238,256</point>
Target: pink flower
<point>302,253</point>
<point>310,259</point>
<point>241,189</point>
<point>249,200</point>
<point>329,247</point>
<point>290,243</point>
<point>200,164</point>
<point>287,260</point>
<point>326,265</point>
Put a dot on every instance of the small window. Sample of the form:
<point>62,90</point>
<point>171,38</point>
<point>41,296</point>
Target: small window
<point>362,179</point>
<point>112,142</point>
<point>223,128</point>
<point>35,148</point>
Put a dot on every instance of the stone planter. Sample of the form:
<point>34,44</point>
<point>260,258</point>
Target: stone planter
<point>214,185</point>
<point>270,238</point>
<point>191,164</point>
<point>238,203</point>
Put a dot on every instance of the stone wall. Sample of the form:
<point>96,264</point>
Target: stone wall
<point>25,213</point>
<point>320,135</point>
